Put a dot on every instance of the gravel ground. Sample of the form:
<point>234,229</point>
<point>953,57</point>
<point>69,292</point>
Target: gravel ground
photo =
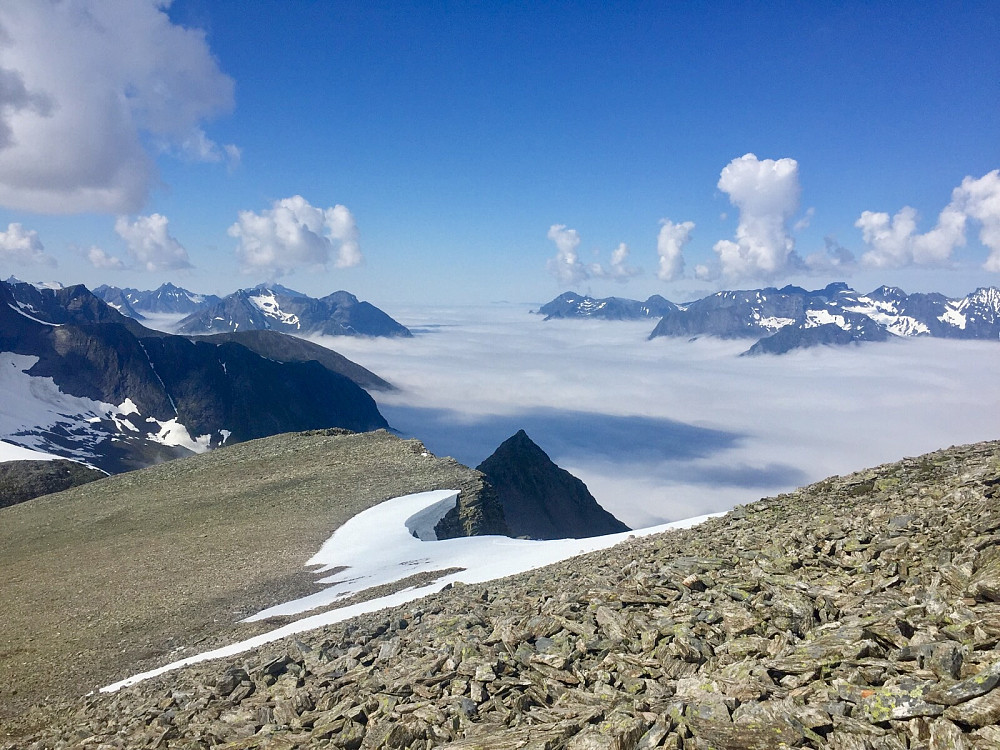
<point>124,574</point>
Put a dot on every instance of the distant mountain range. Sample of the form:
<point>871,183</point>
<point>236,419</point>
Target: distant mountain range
<point>167,299</point>
<point>81,380</point>
<point>265,307</point>
<point>280,309</point>
<point>572,305</point>
<point>793,318</point>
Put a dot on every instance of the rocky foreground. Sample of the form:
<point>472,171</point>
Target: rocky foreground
<point>860,612</point>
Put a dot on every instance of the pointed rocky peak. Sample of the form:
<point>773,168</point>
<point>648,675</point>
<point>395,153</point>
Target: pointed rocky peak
<point>887,293</point>
<point>276,288</point>
<point>541,500</point>
<point>837,287</point>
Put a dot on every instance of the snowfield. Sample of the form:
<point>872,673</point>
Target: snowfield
<point>11,452</point>
<point>395,540</point>
<point>36,404</point>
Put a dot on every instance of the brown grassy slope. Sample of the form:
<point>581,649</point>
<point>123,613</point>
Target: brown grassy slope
<point>105,580</point>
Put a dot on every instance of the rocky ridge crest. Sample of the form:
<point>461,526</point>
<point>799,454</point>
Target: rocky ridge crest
<point>859,612</point>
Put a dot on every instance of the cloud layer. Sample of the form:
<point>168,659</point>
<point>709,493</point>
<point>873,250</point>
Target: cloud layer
<point>667,429</point>
<point>294,234</point>
<point>84,84</point>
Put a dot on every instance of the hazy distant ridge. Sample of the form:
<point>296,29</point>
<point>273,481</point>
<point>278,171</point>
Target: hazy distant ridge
<point>793,318</point>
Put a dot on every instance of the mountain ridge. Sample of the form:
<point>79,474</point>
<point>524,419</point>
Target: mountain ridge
<point>858,612</point>
<point>276,308</point>
<point>134,565</point>
<point>793,318</point>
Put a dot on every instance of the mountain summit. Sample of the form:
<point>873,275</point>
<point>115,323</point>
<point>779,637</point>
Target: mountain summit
<point>541,500</point>
<point>276,308</point>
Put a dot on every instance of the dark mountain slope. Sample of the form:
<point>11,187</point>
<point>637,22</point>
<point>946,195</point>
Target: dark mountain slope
<point>154,396</point>
<point>539,499</point>
<point>285,348</point>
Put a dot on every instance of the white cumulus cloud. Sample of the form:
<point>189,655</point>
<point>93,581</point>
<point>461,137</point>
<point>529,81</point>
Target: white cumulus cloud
<point>99,258</point>
<point>670,244</point>
<point>566,265</point>
<point>295,234</point>
<point>22,246</point>
<point>618,269</point>
<point>197,146</point>
<point>150,244</point>
<point>766,192</point>
<point>84,84</point>
<point>980,200</point>
<point>894,242</point>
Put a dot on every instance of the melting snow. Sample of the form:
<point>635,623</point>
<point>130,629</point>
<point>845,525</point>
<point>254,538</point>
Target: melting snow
<point>384,544</point>
<point>267,304</point>
<point>953,316</point>
<point>773,323</point>
<point>815,318</point>
<point>11,452</point>
<point>36,405</point>
<point>887,314</point>
<point>173,432</point>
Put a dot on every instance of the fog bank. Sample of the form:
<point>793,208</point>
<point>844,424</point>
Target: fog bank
<point>670,428</point>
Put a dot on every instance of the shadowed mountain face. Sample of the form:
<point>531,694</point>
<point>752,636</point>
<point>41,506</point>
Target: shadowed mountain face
<point>539,499</point>
<point>93,385</point>
<point>284,348</point>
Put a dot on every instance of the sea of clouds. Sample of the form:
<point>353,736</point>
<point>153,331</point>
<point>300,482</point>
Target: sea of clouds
<point>670,428</point>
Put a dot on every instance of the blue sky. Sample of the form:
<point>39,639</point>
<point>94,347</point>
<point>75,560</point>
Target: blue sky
<point>500,151</point>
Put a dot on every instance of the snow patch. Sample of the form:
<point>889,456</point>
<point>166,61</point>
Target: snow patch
<point>173,432</point>
<point>953,316</point>
<point>815,318</point>
<point>773,323</point>
<point>267,304</point>
<point>34,408</point>
<point>377,547</point>
<point>20,311</point>
<point>11,452</point>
